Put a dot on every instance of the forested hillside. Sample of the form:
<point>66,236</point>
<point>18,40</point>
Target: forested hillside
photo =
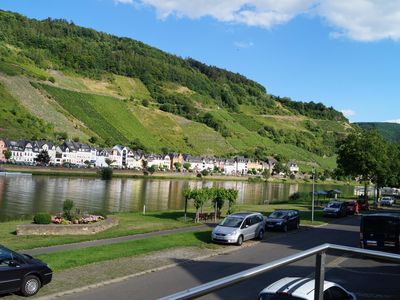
<point>118,90</point>
<point>390,131</point>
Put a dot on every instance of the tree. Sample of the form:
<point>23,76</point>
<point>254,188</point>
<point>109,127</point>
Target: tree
<point>364,156</point>
<point>200,197</point>
<point>186,166</point>
<point>231,196</point>
<point>7,154</point>
<point>151,169</point>
<point>177,166</point>
<point>108,161</point>
<point>93,140</point>
<point>187,195</point>
<point>43,158</point>
<point>76,139</point>
<point>266,174</point>
<point>106,173</point>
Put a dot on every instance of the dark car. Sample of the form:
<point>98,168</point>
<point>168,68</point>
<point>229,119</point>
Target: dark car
<point>335,209</point>
<point>283,219</point>
<point>380,232</point>
<point>22,273</point>
<point>350,207</point>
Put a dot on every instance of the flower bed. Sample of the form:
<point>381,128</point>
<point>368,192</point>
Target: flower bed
<point>85,219</point>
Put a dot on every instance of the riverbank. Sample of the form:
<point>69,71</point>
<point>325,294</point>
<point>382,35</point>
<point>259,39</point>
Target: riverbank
<point>91,172</point>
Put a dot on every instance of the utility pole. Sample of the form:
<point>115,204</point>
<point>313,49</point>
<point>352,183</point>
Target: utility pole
<point>313,196</point>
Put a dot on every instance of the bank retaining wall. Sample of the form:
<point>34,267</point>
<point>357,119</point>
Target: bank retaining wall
<point>72,229</point>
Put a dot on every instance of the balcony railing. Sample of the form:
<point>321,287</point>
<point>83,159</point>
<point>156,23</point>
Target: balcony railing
<point>319,252</point>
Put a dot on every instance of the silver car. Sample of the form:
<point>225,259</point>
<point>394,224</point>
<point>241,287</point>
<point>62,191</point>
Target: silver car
<point>239,227</point>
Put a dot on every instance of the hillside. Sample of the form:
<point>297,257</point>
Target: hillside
<point>87,85</point>
<point>390,131</point>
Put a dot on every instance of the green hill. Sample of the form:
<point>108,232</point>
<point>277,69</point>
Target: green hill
<point>390,131</point>
<point>82,83</point>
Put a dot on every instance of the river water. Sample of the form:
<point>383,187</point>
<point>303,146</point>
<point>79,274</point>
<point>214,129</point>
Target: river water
<point>26,195</point>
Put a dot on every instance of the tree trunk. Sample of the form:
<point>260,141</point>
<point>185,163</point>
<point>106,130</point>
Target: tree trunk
<point>365,191</point>
<point>196,220</point>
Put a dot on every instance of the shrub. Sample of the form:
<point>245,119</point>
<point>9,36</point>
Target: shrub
<point>42,218</point>
<point>106,173</point>
<point>67,207</point>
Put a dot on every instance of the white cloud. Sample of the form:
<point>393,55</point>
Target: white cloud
<point>243,45</point>
<point>124,1</point>
<point>393,121</point>
<point>361,20</point>
<point>348,113</point>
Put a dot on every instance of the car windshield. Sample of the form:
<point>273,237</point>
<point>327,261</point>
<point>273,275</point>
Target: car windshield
<point>334,205</point>
<point>231,222</point>
<point>278,214</point>
<point>278,297</point>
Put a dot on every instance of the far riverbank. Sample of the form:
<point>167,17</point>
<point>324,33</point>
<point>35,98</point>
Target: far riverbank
<point>92,172</point>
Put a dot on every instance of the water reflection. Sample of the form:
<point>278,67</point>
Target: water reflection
<point>27,195</point>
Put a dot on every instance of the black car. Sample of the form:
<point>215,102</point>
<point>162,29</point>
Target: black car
<point>22,273</point>
<point>283,219</point>
<point>335,209</point>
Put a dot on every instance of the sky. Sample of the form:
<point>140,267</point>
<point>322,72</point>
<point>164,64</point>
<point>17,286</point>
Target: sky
<point>345,54</point>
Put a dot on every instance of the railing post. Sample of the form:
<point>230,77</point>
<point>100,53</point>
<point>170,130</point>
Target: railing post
<point>319,276</point>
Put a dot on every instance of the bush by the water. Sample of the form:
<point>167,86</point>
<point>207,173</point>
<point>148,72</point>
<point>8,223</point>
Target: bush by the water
<point>106,173</point>
<point>300,196</point>
<point>42,218</point>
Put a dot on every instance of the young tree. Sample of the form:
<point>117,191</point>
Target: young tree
<point>231,196</point>
<point>187,195</point>
<point>43,158</point>
<point>200,197</point>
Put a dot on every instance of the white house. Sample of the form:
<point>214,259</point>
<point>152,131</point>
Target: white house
<point>160,161</point>
<point>196,163</point>
<point>293,167</point>
<point>241,165</point>
<point>230,167</point>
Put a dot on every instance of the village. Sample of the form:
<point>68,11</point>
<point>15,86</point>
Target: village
<point>75,154</point>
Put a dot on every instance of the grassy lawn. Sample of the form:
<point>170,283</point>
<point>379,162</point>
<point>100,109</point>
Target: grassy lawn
<point>73,258</point>
<point>129,223</point>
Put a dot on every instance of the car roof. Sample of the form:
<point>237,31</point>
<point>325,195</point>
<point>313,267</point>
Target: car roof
<point>244,214</point>
<point>296,286</point>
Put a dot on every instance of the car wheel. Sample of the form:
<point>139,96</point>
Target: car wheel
<point>239,240</point>
<point>260,235</point>
<point>284,228</point>
<point>30,286</point>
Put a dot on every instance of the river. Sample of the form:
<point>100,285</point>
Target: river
<point>26,195</point>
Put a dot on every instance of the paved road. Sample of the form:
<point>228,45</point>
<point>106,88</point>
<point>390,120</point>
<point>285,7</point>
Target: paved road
<point>368,278</point>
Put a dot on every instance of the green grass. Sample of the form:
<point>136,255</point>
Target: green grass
<point>129,223</point>
<point>63,260</point>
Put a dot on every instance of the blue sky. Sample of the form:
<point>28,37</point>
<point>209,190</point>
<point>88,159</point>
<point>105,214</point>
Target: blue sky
<point>345,55</point>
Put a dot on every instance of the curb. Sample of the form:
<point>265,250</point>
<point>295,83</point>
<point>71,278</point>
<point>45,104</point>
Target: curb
<point>123,278</point>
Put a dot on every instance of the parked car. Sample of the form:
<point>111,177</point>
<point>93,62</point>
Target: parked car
<point>387,201</point>
<point>239,227</point>
<point>297,288</point>
<point>380,232</point>
<point>350,207</point>
<point>335,209</point>
<point>283,219</point>
<point>22,273</point>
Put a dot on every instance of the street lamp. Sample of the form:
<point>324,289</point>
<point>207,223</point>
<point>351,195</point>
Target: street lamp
<point>313,196</point>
